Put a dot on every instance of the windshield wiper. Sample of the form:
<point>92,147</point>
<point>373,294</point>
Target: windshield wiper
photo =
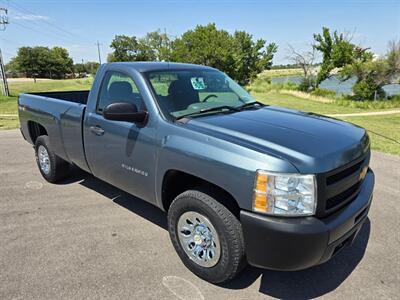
<point>250,104</point>
<point>211,109</point>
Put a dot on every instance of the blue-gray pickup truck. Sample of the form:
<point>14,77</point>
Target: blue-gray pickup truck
<point>241,181</point>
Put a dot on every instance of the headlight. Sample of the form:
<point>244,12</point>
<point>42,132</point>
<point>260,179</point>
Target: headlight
<point>284,194</point>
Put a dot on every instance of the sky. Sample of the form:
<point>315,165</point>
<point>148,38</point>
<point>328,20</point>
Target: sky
<point>78,25</point>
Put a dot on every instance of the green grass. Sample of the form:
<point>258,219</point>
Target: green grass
<point>8,122</point>
<point>50,85</point>
<point>281,72</point>
<point>384,131</point>
<point>290,101</point>
<point>371,105</point>
<point>262,84</point>
<point>8,105</point>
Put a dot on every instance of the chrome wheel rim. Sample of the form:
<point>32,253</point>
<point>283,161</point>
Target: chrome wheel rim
<point>199,239</point>
<point>44,160</point>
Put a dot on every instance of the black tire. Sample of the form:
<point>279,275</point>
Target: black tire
<point>58,167</point>
<point>228,228</point>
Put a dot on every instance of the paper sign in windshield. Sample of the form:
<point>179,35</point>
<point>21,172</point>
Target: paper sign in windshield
<point>198,83</point>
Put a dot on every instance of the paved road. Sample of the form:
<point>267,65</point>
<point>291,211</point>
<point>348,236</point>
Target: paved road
<point>84,239</point>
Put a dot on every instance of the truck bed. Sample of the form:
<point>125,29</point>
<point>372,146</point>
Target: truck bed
<point>71,96</point>
<point>61,113</point>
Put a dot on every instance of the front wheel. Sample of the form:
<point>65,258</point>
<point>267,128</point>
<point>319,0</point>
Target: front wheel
<point>206,235</point>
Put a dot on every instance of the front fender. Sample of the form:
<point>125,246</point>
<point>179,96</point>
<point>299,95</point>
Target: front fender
<point>230,166</point>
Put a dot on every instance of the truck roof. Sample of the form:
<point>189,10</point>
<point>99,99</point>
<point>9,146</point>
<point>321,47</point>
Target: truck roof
<point>146,66</point>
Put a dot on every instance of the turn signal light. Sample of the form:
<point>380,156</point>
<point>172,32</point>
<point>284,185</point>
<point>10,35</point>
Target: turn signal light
<point>261,182</point>
<point>260,202</point>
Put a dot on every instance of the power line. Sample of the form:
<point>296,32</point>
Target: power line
<point>33,21</point>
<point>60,29</point>
<point>39,31</point>
<point>11,42</point>
<point>56,30</point>
<point>8,53</point>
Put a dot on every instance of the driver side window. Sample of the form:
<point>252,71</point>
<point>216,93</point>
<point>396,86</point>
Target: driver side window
<point>118,87</point>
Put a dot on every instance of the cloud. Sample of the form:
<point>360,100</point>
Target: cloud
<point>30,17</point>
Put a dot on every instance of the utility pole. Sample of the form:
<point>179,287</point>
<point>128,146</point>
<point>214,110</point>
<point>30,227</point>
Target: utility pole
<point>6,92</point>
<point>3,24</point>
<point>98,51</point>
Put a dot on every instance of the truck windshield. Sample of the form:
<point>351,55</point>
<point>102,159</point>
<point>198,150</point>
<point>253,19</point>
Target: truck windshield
<point>194,92</point>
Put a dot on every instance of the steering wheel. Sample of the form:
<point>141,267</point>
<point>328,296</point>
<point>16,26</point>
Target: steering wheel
<point>210,96</point>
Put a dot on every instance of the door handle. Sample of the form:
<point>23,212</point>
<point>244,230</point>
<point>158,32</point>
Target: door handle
<point>97,130</point>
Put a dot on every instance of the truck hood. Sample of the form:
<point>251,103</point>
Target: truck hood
<point>312,143</point>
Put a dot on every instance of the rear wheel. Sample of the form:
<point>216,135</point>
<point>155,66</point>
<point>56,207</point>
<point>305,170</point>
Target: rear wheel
<point>206,235</point>
<point>52,167</point>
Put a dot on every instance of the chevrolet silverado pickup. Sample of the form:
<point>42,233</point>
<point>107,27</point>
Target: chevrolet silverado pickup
<point>241,181</point>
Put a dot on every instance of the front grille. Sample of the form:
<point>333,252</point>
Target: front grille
<point>345,196</point>
<point>343,174</point>
<point>341,186</point>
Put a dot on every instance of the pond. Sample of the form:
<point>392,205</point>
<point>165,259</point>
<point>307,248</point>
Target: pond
<point>336,85</point>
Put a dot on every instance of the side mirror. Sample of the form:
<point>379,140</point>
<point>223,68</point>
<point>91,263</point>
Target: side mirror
<point>123,111</point>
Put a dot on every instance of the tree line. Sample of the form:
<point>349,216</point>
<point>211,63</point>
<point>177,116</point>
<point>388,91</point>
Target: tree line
<point>45,62</point>
<point>237,54</point>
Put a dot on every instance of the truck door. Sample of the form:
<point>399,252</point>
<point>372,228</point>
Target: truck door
<point>121,153</point>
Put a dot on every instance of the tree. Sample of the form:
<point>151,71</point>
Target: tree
<point>92,67</point>
<point>371,75</point>
<point>250,58</point>
<point>86,68</point>
<point>125,48</point>
<point>237,55</point>
<point>393,60</point>
<point>337,52</point>
<point>305,61</point>
<point>205,45</point>
<point>154,46</point>
<point>60,63</point>
<point>42,62</point>
<point>12,68</point>
<point>157,45</point>
<point>33,62</point>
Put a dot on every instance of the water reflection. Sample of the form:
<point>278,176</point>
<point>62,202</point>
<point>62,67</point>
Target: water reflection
<point>336,85</point>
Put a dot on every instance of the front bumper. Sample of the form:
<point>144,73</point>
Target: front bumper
<point>290,244</point>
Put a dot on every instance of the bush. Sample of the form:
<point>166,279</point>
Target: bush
<point>365,90</point>
<point>306,85</point>
<point>393,102</point>
<point>323,93</point>
<point>394,98</point>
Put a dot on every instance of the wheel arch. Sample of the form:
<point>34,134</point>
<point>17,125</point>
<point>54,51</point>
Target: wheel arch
<point>176,182</point>
<point>35,130</point>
